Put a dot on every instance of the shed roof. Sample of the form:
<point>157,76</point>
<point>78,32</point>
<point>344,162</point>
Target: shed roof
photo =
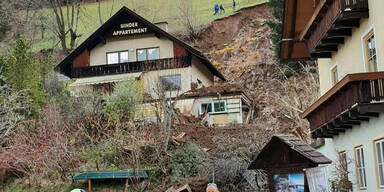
<point>295,145</point>
<point>222,89</point>
<point>110,175</point>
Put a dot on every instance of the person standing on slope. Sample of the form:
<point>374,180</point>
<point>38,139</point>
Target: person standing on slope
<point>234,5</point>
<point>222,10</point>
<point>216,9</point>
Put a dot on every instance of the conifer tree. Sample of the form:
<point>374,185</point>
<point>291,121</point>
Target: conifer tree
<point>276,25</point>
<point>21,72</point>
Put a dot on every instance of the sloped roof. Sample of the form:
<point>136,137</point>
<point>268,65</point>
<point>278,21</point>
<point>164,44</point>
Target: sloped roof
<point>295,145</point>
<point>224,88</point>
<point>64,66</point>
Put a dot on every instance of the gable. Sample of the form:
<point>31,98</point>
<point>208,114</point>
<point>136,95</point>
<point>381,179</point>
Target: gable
<point>127,23</point>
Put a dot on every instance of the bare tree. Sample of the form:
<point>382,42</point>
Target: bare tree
<point>165,110</point>
<point>188,18</point>
<point>298,93</point>
<point>13,111</point>
<point>66,21</point>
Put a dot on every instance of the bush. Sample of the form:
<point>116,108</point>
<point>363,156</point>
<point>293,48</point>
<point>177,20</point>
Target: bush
<point>185,162</point>
<point>124,102</point>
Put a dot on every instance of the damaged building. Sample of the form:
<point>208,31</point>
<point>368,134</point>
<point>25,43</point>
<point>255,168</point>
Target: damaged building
<point>128,47</point>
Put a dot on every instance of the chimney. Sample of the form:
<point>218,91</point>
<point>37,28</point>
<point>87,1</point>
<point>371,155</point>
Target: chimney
<point>162,25</point>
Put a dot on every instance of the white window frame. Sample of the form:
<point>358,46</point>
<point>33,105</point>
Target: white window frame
<point>331,72</point>
<point>146,53</point>
<point>359,152</point>
<point>118,56</point>
<point>363,48</point>
<point>381,143</point>
<point>213,107</point>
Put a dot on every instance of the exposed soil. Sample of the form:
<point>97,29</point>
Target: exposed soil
<point>241,48</point>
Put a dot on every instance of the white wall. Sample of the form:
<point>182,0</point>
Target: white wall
<point>365,135</point>
<point>98,55</point>
<point>350,56</point>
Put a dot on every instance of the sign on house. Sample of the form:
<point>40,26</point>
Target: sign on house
<point>129,28</point>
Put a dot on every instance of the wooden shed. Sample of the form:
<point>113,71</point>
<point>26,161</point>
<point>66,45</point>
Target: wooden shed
<point>284,159</point>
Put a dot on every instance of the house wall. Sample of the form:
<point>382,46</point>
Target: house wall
<point>350,58</point>
<point>201,72</point>
<point>234,112</point>
<point>98,55</point>
<point>360,135</point>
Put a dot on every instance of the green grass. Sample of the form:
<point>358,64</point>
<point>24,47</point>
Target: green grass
<point>153,10</point>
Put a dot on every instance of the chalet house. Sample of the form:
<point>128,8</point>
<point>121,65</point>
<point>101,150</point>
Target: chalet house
<point>128,47</point>
<point>345,38</point>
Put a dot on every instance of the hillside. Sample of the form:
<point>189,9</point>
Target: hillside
<point>153,10</point>
<point>240,47</point>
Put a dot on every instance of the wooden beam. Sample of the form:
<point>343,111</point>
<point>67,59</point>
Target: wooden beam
<point>327,48</point>
<point>103,40</point>
<point>353,114</point>
<point>339,33</point>
<point>89,186</point>
<point>354,15</point>
<point>322,55</point>
<point>332,41</point>
<point>341,24</point>
<point>332,127</point>
<point>307,26</point>
<point>372,108</point>
<point>339,124</point>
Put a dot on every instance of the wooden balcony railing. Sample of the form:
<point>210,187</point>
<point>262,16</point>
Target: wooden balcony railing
<point>131,67</point>
<point>353,91</point>
<point>333,11</point>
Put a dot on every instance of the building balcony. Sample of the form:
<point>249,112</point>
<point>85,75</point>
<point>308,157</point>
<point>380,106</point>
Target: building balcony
<point>131,67</point>
<point>356,98</point>
<point>331,22</point>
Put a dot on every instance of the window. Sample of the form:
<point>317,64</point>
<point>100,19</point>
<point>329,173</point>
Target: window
<point>112,58</point>
<point>370,52</point>
<point>206,108</point>
<point>360,167</point>
<point>124,57</point>
<point>171,82</point>
<point>148,54</point>
<point>334,75</point>
<point>379,145</point>
<point>218,107</point>
<point>117,57</point>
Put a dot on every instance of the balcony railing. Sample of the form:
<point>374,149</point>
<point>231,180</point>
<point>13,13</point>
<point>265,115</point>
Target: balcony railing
<point>356,97</point>
<point>131,67</point>
<point>340,12</point>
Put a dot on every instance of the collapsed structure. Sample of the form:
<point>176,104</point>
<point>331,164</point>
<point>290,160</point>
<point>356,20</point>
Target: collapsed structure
<point>128,47</point>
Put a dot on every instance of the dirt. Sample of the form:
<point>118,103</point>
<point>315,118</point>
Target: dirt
<point>241,48</point>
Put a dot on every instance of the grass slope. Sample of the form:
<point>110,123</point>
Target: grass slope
<point>153,10</point>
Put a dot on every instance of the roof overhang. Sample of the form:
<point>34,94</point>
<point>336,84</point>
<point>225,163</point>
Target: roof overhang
<point>104,79</point>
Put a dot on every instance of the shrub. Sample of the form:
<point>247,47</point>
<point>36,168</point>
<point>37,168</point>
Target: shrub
<point>185,162</point>
<point>124,102</point>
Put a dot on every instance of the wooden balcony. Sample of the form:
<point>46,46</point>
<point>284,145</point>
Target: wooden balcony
<point>356,98</point>
<point>131,67</point>
<point>332,21</point>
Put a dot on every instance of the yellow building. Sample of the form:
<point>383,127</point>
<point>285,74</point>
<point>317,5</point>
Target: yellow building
<point>345,38</point>
<point>128,47</point>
